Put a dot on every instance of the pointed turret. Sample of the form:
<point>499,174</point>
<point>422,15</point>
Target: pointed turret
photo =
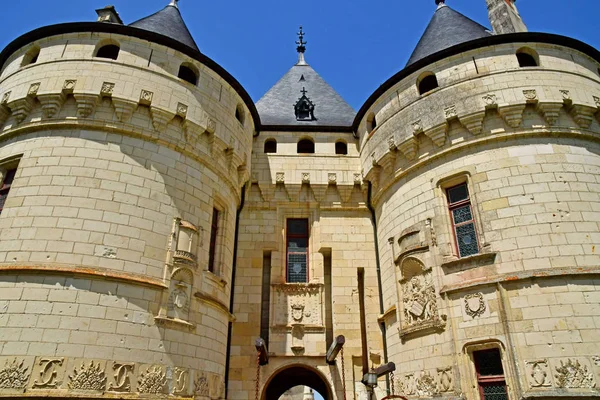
<point>505,17</point>
<point>446,29</point>
<point>168,22</point>
<point>303,98</point>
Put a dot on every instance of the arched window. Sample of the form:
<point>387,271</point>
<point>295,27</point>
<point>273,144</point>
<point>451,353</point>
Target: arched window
<point>110,51</point>
<point>31,56</point>
<point>306,146</point>
<point>371,122</point>
<point>341,148</point>
<point>427,83</point>
<point>527,57</point>
<point>240,115</point>
<point>271,146</point>
<point>188,73</point>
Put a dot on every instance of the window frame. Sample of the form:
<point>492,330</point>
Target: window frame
<point>216,222</point>
<point>487,380</point>
<point>456,205</point>
<point>289,235</point>
<point>5,167</point>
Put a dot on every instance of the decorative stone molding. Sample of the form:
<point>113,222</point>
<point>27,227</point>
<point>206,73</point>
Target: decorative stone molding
<point>358,179</point>
<point>530,95</point>
<point>450,112</point>
<point>512,114</point>
<point>69,86</point>
<point>445,380</point>
<point>201,387</point>
<point>89,378</point>
<point>596,360</point>
<point>438,134</point>
<point>51,103</point>
<point>417,127</point>
<point>474,122</point>
<point>49,377</point>
<point>33,89</point>
<point>86,104</point>
<point>21,108</point>
<point>182,110</point>
<point>572,374</point>
<point>280,177</point>
<point>306,177</point>
<point>409,148</point>
<point>597,101</point>
<point>426,385</point>
<point>297,304</point>
<point>475,305</point>
<point>181,377</point>
<point>124,109</point>
<point>5,98</point>
<point>146,97</point>
<point>332,178</point>
<point>550,111</point>
<point>583,115</point>
<point>538,374</point>
<point>566,95</point>
<point>122,377</point>
<point>14,375</point>
<point>153,381</point>
<point>490,100</point>
<point>107,89</point>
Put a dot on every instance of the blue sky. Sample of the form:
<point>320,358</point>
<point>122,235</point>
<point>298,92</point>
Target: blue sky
<point>355,45</point>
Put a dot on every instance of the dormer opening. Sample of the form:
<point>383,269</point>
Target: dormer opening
<point>304,108</point>
<point>31,57</point>
<point>341,148</point>
<point>306,146</point>
<point>528,57</point>
<point>270,146</point>
<point>427,82</point>
<point>107,49</point>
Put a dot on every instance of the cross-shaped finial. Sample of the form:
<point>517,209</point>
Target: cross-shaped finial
<point>301,43</point>
<point>174,3</point>
<point>303,91</point>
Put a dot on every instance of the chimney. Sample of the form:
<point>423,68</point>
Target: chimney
<point>109,14</point>
<point>505,17</point>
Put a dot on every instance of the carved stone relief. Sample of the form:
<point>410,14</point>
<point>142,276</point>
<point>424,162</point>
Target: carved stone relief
<point>572,374</point>
<point>50,373</point>
<point>181,378</point>
<point>14,375</point>
<point>490,100</point>
<point>445,381</point>
<point>450,112</point>
<point>426,383</point>
<point>146,97</point>
<point>538,374</point>
<point>297,304</point>
<point>153,380</point>
<point>201,387</point>
<point>419,300</point>
<point>597,101</point>
<point>122,377</point>
<point>530,95</point>
<point>107,89</point>
<point>475,305</point>
<point>596,360</point>
<point>180,294</point>
<point>90,377</point>
<point>280,177</point>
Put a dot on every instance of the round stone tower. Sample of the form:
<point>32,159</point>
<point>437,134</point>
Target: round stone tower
<point>125,151</point>
<point>483,159</point>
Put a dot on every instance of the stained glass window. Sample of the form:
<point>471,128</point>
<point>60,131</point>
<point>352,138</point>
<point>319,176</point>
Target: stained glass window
<point>490,375</point>
<point>297,250</point>
<point>462,218</point>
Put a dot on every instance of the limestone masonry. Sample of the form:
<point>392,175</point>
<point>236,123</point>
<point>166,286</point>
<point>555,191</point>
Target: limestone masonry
<point>161,235</point>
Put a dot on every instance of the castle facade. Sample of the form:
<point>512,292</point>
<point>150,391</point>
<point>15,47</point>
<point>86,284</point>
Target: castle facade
<point>163,235</point>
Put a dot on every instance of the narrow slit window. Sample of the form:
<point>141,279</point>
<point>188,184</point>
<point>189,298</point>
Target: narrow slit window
<point>214,232</point>
<point>463,221</point>
<point>5,187</point>
<point>297,250</point>
<point>490,375</point>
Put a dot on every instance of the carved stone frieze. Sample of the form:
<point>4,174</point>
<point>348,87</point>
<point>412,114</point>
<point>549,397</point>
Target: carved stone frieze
<point>69,85</point>
<point>450,112</point>
<point>91,377</point>
<point>33,89</point>
<point>153,381</point>
<point>124,109</point>
<point>475,305</point>
<point>306,177</point>
<point>358,179</point>
<point>566,95</point>
<point>538,374</point>
<point>445,380</point>
<point>426,385</point>
<point>280,177</point>
<point>417,127</point>
<point>596,360</point>
<point>122,377</point>
<point>474,122</point>
<point>490,100</point>
<point>182,110</point>
<point>181,378</point>
<point>201,387</point>
<point>50,373</point>
<point>332,178</point>
<point>14,375</point>
<point>572,374</point>
<point>530,95</point>
<point>160,118</point>
<point>146,97</point>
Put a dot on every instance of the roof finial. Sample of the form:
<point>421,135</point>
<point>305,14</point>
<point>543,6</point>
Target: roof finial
<point>301,47</point>
<point>174,3</point>
<point>440,3</point>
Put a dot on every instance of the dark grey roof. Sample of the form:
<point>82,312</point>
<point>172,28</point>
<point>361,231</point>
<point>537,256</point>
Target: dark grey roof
<point>276,107</point>
<point>168,22</point>
<point>446,29</point>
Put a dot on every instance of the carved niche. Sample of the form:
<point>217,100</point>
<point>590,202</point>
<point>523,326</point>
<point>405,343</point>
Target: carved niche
<point>186,243</point>
<point>180,294</point>
<point>419,308</point>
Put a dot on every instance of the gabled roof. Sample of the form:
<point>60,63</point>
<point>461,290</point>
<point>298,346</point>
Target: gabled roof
<point>447,28</point>
<point>168,22</point>
<point>276,107</point>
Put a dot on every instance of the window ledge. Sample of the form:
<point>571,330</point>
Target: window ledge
<point>214,278</point>
<point>558,393</point>
<point>469,262</point>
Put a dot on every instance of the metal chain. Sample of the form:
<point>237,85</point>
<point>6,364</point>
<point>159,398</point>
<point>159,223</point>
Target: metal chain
<point>343,374</point>
<point>257,376</point>
<point>392,382</point>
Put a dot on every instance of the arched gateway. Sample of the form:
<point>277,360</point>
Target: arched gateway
<point>296,375</point>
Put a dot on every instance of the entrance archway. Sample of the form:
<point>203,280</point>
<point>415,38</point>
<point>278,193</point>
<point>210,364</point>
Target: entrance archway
<point>296,375</point>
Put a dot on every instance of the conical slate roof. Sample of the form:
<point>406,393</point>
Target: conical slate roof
<point>446,29</point>
<point>276,107</point>
<point>168,22</point>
